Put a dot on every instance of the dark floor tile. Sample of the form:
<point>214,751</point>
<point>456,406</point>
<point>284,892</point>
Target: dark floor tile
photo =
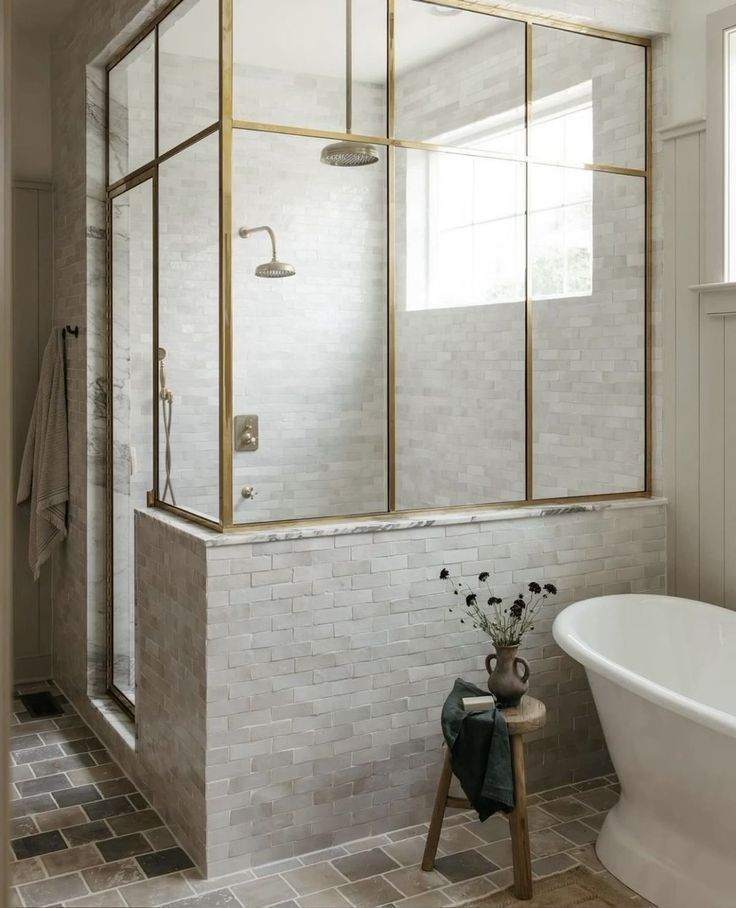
<point>157,863</point>
<point>567,808</point>
<point>35,804</point>
<point>63,764</point>
<point>590,784</point>
<point>577,832</point>
<point>53,892</point>
<point>22,826</point>
<point>115,787</point>
<point>42,843</point>
<point>138,801</point>
<point>135,822</point>
<point>464,865</point>
<point>44,784</point>
<point>365,863</point>
<point>35,754</point>
<point>371,893</point>
<point>126,846</point>
<point>599,799</point>
<point>87,832</point>
<point>110,807</point>
<point>25,742</point>
<point>83,794</point>
<point>110,876</point>
<point>81,746</point>
<point>101,756</point>
<point>220,898</point>
<point>554,863</point>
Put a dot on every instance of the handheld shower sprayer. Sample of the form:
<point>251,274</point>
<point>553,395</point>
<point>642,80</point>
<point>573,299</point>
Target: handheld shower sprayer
<point>274,268</point>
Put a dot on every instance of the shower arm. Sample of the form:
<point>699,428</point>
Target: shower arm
<point>245,232</point>
<point>348,66</point>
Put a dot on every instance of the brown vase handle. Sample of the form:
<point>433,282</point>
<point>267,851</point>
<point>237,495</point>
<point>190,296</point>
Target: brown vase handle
<point>489,659</point>
<point>525,664</point>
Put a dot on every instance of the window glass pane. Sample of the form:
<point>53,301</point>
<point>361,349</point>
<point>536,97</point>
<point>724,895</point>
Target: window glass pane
<point>460,329</point>
<point>309,349</point>
<point>132,410</point>
<point>132,111</point>
<point>587,264</point>
<point>189,53</point>
<point>303,82</point>
<point>460,78</point>
<point>730,163</point>
<point>188,404</point>
<point>588,99</point>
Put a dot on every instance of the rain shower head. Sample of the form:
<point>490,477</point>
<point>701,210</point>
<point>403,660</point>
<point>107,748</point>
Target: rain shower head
<point>348,154</point>
<point>274,268</point>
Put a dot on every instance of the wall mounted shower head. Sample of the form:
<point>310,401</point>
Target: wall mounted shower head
<point>274,268</point>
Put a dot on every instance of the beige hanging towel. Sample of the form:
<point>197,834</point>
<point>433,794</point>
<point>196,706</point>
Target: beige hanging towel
<point>44,472</point>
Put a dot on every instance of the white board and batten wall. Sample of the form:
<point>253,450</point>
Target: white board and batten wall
<point>32,314</point>
<point>700,342</point>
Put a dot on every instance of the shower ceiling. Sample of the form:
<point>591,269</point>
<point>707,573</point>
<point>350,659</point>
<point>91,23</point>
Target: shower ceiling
<point>424,37</point>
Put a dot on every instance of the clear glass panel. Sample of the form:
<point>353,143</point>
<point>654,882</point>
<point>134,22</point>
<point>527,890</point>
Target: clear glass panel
<point>460,78</point>
<point>132,110</point>
<point>587,270</point>
<point>188,323</point>
<point>309,349</point>
<point>730,163</point>
<point>189,53</point>
<point>302,81</point>
<point>588,99</point>
<point>460,329</point>
<point>132,410</point>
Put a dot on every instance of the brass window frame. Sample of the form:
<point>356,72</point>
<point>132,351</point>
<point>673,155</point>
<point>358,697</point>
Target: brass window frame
<point>225,126</point>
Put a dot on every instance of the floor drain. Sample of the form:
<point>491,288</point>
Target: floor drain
<point>41,704</point>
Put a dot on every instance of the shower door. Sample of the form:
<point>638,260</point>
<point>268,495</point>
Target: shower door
<point>130,410</point>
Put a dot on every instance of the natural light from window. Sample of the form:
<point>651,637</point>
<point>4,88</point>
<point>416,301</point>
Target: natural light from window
<point>470,248</point>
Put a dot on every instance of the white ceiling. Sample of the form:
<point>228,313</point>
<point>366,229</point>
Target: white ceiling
<point>308,36</point>
<point>41,15</point>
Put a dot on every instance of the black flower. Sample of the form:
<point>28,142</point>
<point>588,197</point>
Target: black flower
<point>494,600</point>
<point>517,609</point>
<point>470,599</point>
<point>534,587</point>
<point>519,603</point>
<point>444,574</point>
<point>483,576</point>
<point>551,588</point>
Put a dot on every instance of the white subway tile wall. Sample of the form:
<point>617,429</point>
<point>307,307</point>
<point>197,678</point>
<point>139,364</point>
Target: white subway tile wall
<point>310,672</point>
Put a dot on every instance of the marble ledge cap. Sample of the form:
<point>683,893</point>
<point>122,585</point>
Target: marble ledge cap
<point>383,524</point>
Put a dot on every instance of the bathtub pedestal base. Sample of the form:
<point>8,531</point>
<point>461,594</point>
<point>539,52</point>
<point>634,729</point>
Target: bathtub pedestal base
<point>647,858</point>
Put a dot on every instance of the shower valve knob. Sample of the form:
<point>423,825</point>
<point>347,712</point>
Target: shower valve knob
<point>246,433</point>
<point>248,492</point>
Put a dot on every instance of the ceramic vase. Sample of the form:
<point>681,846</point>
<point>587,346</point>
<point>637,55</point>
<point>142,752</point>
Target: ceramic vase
<point>508,679</point>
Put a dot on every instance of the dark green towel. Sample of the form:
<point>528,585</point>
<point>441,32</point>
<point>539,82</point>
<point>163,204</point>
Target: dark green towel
<point>481,754</point>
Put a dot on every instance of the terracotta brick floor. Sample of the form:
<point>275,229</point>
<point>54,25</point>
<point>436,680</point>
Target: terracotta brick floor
<point>83,835</point>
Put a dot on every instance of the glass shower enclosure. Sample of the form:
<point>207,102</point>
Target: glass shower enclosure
<point>371,257</point>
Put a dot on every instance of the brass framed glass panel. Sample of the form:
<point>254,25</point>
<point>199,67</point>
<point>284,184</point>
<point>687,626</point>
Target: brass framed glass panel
<point>188,72</point>
<point>428,364</point>
<point>460,78</point>
<point>130,411</point>
<point>460,329</point>
<point>304,64</point>
<point>309,349</point>
<point>131,110</point>
<point>588,100</point>
<point>188,329</point>
<point>587,254</point>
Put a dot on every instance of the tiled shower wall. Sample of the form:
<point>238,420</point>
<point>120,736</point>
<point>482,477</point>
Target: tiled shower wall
<point>317,683</point>
<point>460,384</point>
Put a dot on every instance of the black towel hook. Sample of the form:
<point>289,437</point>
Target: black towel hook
<point>70,330</point>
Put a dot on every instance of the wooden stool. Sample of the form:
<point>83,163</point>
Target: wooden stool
<point>528,716</point>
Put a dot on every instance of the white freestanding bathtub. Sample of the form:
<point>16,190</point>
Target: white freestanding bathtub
<point>663,675</point>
